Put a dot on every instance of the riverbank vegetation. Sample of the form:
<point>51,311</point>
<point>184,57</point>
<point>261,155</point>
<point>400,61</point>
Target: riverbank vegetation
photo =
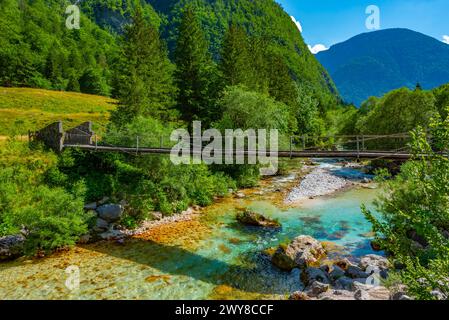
<point>414,224</point>
<point>192,62</point>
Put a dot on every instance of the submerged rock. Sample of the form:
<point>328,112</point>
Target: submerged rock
<point>302,252</point>
<point>255,219</point>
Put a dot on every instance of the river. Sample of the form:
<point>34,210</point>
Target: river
<point>210,257</point>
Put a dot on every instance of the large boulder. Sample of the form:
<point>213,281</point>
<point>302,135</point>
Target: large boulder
<point>374,261</point>
<point>302,252</point>
<point>11,247</point>
<point>250,218</point>
<point>110,212</point>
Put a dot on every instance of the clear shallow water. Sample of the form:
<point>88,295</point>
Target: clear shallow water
<point>212,258</point>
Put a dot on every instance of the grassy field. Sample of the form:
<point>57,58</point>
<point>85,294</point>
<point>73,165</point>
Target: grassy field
<point>23,109</point>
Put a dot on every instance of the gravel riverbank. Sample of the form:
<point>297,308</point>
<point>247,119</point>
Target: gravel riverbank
<point>319,182</point>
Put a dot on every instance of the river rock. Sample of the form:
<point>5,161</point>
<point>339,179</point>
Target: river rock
<point>343,263</point>
<point>317,288</point>
<point>344,283</point>
<point>336,273</point>
<point>112,235</point>
<point>90,206</point>
<point>101,225</point>
<point>299,296</point>
<point>337,295</point>
<point>302,252</point>
<point>110,212</point>
<point>11,247</point>
<point>312,274</point>
<point>361,295</point>
<point>355,272</point>
<point>240,195</point>
<point>438,295</point>
<point>255,219</point>
<point>374,261</point>
<point>400,296</point>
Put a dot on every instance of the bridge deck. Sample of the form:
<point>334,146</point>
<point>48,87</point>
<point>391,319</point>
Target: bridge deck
<point>282,154</point>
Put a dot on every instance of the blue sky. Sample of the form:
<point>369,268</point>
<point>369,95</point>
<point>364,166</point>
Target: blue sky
<point>328,22</point>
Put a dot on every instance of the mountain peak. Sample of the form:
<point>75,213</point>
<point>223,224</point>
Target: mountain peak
<point>374,63</point>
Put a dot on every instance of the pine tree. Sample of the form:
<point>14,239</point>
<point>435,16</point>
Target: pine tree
<point>144,74</point>
<point>195,71</point>
<point>259,71</point>
<point>281,85</point>
<point>235,62</point>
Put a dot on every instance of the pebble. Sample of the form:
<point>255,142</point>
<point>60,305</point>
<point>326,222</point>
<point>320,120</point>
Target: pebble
<point>319,182</point>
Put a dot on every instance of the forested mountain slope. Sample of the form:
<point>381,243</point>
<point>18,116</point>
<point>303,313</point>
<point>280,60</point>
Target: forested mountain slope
<point>375,63</point>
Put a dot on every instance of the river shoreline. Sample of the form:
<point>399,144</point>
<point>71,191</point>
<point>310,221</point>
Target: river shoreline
<point>311,183</point>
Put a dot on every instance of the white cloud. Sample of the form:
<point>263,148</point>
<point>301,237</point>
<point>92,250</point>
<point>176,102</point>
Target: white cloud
<point>317,48</point>
<point>298,24</point>
<point>446,39</point>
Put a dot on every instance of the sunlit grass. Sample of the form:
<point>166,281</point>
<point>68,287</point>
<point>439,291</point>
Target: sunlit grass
<point>23,109</point>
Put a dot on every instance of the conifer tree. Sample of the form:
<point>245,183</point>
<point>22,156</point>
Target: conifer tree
<point>144,74</point>
<point>194,70</point>
<point>281,85</point>
<point>235,60</point>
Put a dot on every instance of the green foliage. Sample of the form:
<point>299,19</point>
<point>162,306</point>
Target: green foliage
<point>51,217</point>
<point>442,99</point>
<point>235,58</point>
<point>144,75</point>
<point>37,50</point>
<point>270,29</point>
<point>399,111</point>
<point>244,109</point>
<point>414,221</point>
<point>195,70</point>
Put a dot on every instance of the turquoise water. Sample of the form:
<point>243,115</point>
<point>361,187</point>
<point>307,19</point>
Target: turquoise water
<point>211,258</point>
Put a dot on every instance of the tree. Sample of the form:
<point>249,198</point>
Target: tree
<point>194,72</point>
<point>235,62</point>
<point>414,222</point>
<point>281,85</point>
<point>399,111</point>
<point>93,82</point>
<point>144,74</point>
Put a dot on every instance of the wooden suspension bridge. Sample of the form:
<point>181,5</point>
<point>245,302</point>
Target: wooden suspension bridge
<point>350,146</point>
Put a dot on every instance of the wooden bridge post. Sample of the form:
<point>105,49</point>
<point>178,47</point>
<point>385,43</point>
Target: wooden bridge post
<point>363,143</point>
<point>137,145</point>
<point>96,142</point>
<point>304,142</point>
<point>162,141</point>
<point>291,147</point>
<point>358,148</point>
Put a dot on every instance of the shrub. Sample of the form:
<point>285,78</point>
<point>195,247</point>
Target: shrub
<point>414,223</point>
